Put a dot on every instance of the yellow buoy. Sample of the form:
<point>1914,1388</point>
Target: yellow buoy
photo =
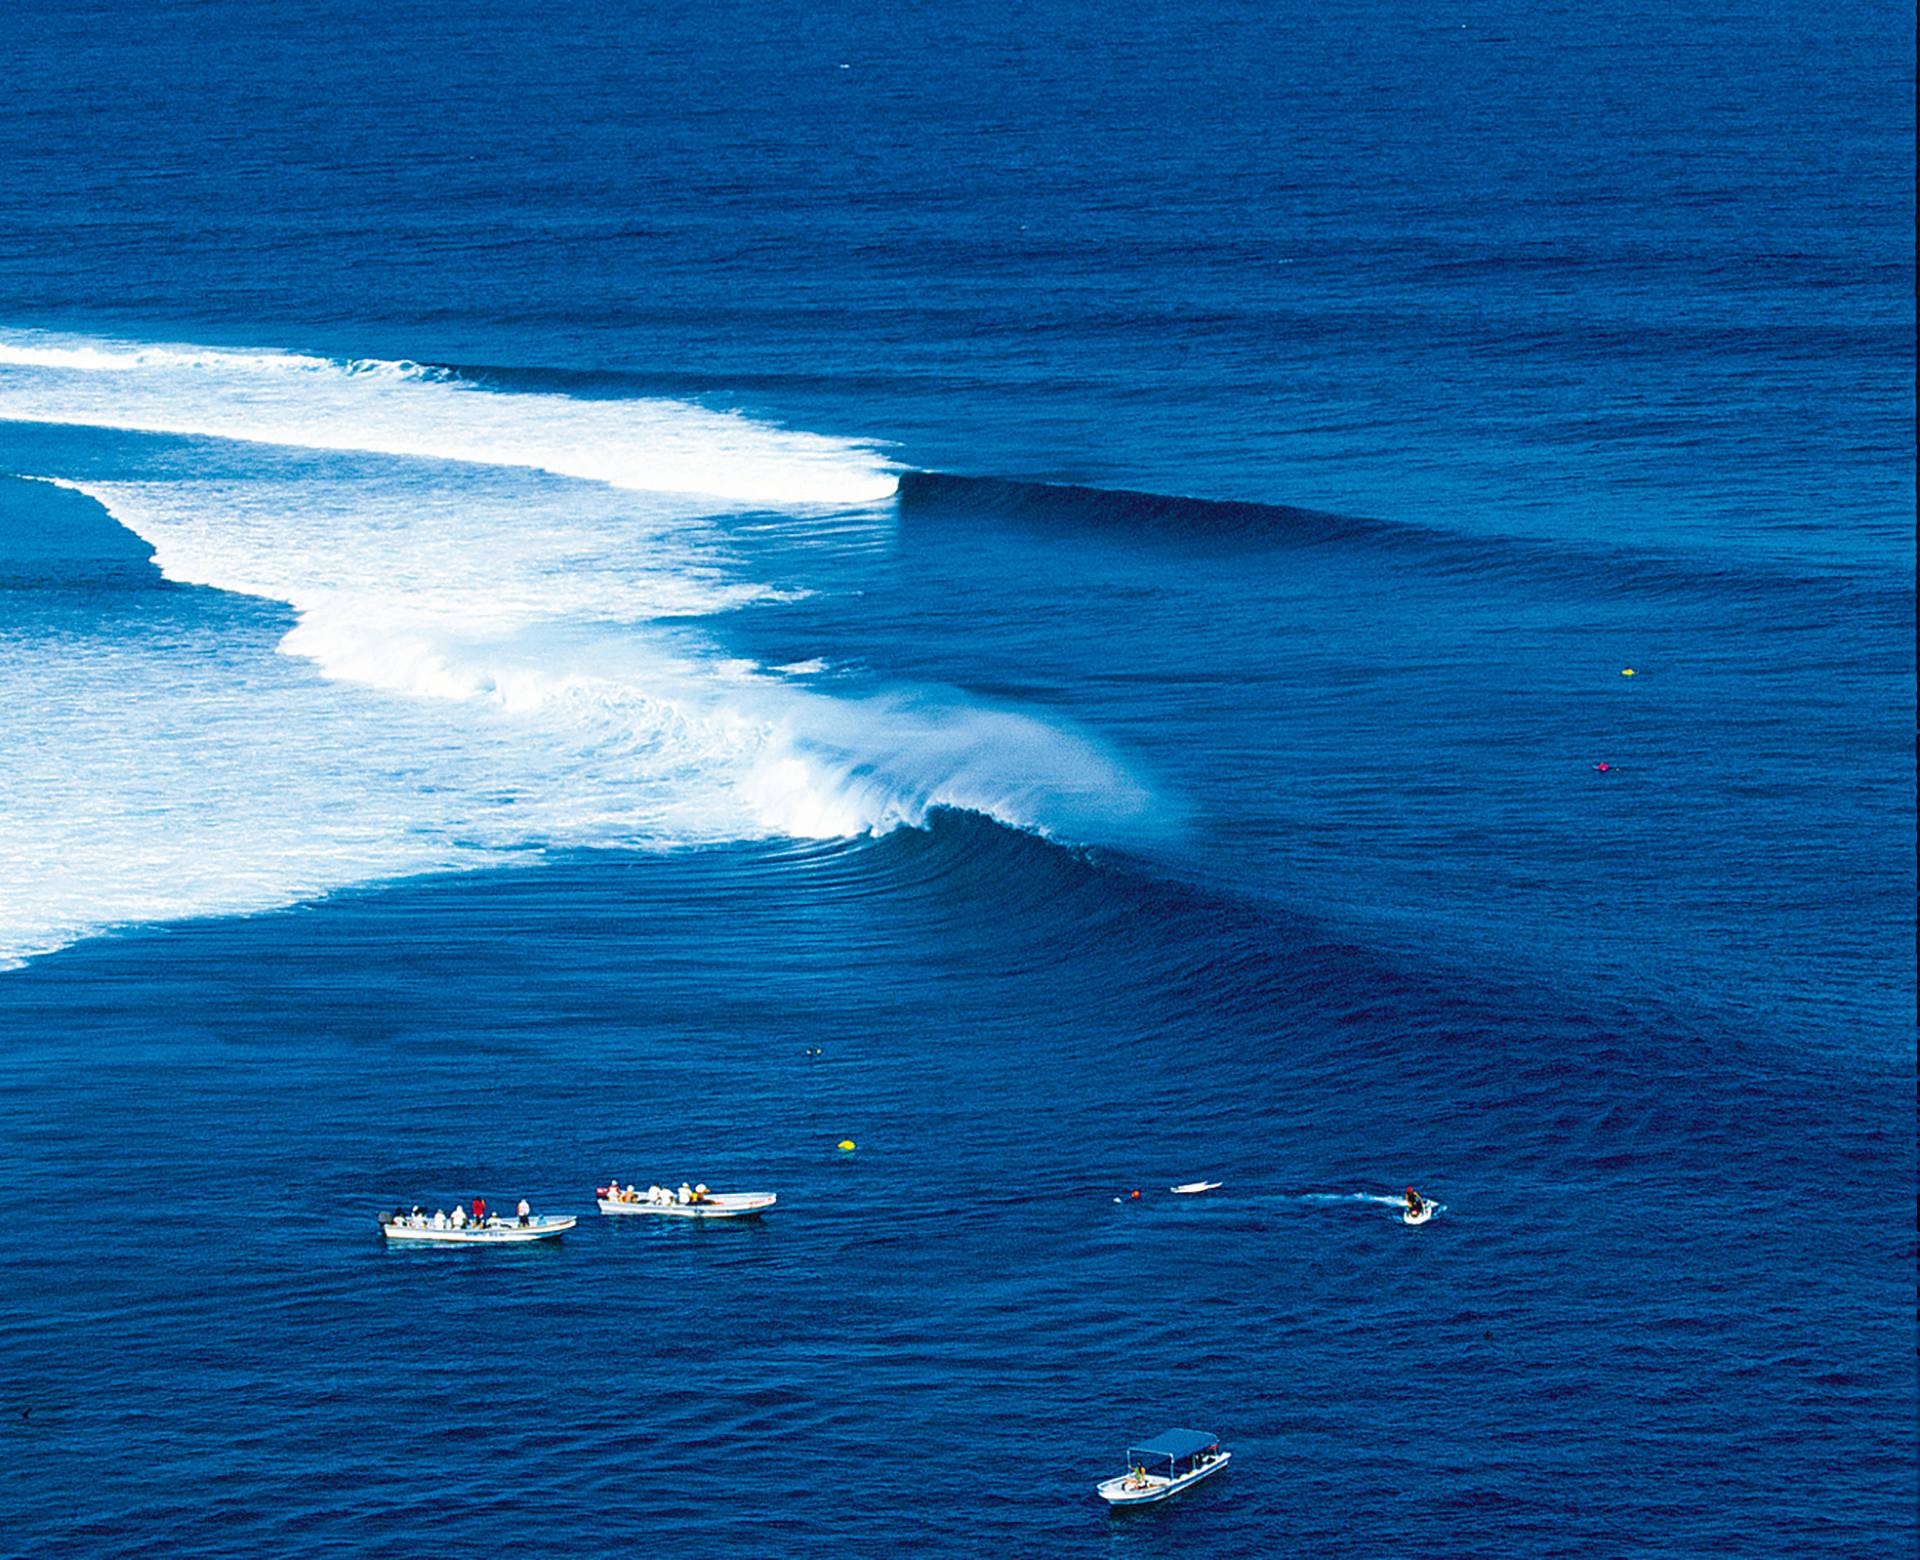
<point>846,1145</point>
<point>1626,671</point>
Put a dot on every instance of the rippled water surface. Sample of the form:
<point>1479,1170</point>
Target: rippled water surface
<point>1082,601</point>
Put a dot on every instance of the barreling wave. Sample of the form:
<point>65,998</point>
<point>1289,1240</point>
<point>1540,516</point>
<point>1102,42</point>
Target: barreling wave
<point>403,408</point>
<point>497,618</point>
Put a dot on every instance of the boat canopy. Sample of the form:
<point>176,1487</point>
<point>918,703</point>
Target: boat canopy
<point>1172,1445</point>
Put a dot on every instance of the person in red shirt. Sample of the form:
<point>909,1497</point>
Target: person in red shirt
<point>479,1210</point>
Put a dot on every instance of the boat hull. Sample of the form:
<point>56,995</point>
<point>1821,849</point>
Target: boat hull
<point>716,1205</point>
<point>1116,1492</point>
<point>503,1234</point>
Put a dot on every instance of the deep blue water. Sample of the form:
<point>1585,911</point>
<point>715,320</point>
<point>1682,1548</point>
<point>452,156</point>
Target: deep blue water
<point>1077,565</point>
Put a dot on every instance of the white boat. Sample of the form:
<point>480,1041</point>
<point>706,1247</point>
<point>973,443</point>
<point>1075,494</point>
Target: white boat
<point>703,1205</point>
<point>1163,1467</point>
<point>1189,1188</point>
<point>496,1231</point>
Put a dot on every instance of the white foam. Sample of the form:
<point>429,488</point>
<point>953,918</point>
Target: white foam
<point>401,408</point>
<point>166,771</point>
<point>449,594</point>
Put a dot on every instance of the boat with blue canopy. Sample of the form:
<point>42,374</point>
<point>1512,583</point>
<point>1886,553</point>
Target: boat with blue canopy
<point>1164,1466</point>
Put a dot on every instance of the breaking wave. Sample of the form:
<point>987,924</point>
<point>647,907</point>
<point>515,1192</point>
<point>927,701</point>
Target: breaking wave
<point>498,630</point>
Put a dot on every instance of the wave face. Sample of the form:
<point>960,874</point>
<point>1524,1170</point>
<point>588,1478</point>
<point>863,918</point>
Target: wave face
<point>1215,526</point>
<point>492,623</point>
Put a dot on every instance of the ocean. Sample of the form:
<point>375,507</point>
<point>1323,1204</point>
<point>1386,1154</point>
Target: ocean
<point>1082,600</point>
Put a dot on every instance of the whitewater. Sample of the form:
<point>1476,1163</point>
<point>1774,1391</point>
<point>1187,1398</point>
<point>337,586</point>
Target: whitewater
<point>401,408</point>
<point>446,626</point>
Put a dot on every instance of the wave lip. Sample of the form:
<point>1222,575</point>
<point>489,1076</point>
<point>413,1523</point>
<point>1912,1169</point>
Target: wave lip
<point>407,409</point>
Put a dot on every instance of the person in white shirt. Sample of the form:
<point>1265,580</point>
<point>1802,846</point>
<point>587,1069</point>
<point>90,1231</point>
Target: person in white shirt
<point>523,1210</point>
<point>440,1218</point>
<point>459,1218</point>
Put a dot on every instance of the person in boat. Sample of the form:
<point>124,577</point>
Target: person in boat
<point>479,1210</point>
<point>700,1192</point>
<point>1414,1203</point>
<point>458,1219</point>
<point>523,1210</point>
<point>439,1218</point>
<point>685,1194</point>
